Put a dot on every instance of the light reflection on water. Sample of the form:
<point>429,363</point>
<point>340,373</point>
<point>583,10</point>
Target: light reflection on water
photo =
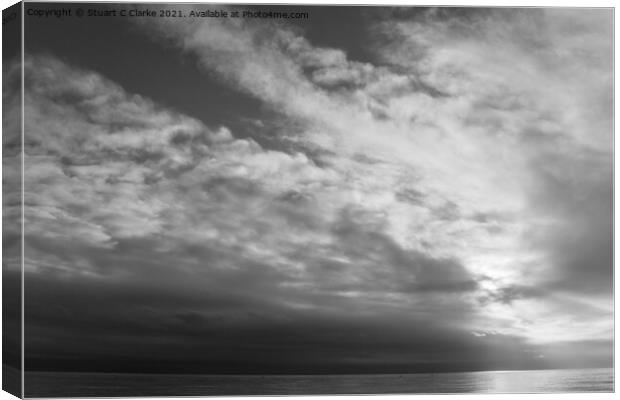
<point>54,384</point>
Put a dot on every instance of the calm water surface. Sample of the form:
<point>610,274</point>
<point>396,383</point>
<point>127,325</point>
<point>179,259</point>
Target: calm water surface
<point>65,384</point>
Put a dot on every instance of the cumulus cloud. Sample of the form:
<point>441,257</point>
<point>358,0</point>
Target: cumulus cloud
<point>96,179</point>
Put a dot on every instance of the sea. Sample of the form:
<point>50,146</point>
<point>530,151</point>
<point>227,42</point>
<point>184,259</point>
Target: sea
<point>70,384</point>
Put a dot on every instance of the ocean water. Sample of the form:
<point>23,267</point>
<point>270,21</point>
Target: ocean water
<point>67,384</point>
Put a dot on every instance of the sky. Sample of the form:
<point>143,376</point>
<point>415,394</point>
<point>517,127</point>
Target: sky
<point>370,189</point>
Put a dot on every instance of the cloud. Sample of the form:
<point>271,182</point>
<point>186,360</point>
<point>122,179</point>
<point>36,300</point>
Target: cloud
<point>127,202</point>
<point>152,173</point>
<point>211,331</point>
<point>424,188</point>
<point>441,120</point>
<point>577,193</point>
<point>117,151</point>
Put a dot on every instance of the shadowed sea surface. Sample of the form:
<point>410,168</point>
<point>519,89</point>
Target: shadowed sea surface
<point>70,384</point>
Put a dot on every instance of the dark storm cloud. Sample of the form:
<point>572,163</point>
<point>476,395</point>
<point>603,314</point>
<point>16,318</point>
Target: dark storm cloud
<point>145,325</point>
<point>134,311</point>
<point>89,324</point>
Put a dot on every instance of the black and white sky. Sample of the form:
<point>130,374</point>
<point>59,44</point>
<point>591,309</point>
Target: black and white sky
<point>370,189</point>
